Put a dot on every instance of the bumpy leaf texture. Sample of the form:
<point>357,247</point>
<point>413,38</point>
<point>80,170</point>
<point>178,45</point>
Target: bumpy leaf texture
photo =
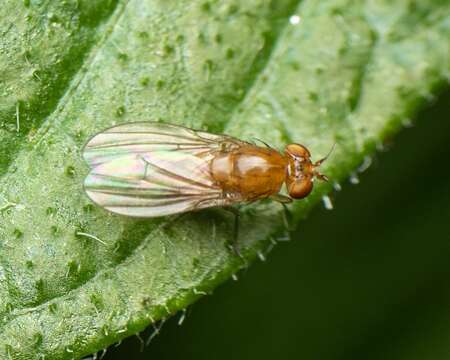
<point>74,278</point>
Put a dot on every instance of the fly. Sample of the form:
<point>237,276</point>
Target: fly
<point>152,169</point>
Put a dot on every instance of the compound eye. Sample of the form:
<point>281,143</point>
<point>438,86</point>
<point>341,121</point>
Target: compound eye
<point>300,189</point>
<point>298,150</point>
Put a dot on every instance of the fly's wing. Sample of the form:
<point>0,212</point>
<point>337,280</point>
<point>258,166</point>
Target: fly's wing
<point>146,137</point>
<point>155,183</point>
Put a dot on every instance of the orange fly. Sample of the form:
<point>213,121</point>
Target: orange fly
<point>152,169</point>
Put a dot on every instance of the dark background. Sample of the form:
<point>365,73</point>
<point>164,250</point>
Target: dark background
<point>368,280</point>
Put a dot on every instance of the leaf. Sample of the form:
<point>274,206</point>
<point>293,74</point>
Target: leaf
<point>74,278</point>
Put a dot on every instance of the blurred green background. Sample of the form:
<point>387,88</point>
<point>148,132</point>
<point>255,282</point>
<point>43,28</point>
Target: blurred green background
<point>368,280</point>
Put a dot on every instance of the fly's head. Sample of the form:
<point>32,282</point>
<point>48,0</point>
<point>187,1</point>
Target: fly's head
<point>301,171</point>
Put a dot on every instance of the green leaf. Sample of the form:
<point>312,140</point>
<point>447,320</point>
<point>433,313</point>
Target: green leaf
<point>74,278</point>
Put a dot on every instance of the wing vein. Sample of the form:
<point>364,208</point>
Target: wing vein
<point>166,172</point>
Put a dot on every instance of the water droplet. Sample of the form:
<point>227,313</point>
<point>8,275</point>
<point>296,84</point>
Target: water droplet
<point>407,123</point>
<point>285,237</point>
<point>327,202</point>
<point>182,317</point>
<point>428,96</point>
<point>295,19</point>
<point>365,164</point>
<point>380,146</point>
<point>354,179</point>
<point>261,256</point>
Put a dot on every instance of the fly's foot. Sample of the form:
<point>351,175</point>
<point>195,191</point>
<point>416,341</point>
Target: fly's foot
<point>234,243</point>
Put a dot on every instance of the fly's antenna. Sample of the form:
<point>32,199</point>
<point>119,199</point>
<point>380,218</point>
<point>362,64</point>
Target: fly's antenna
<point>317,174</point>
<point>319,162</point>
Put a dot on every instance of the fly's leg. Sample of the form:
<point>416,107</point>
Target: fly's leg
<point>234,244</point>
<point>287,216</point>
<point>237,215</point>
<point>282,199</point>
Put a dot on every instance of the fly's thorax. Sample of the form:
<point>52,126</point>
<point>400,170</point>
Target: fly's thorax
<point>251,171</point>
